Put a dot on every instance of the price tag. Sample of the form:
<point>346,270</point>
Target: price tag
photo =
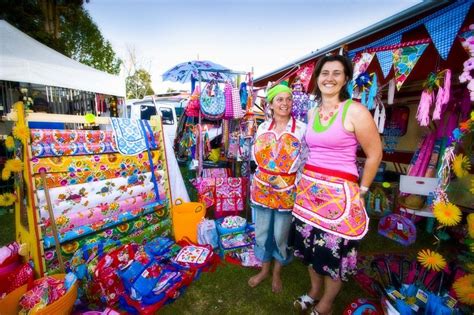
<point>422,296</point>
<point>400,226</point>
<point>451,302</point>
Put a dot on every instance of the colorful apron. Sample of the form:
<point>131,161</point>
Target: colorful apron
<point>272,185</point>
<point>331,204</point>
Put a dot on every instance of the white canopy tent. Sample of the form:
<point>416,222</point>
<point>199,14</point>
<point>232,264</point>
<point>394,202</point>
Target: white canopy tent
<point>24,59</point>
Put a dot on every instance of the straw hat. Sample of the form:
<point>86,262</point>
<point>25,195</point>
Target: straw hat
<point>415,202</point>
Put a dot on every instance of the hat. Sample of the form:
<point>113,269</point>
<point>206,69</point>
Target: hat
<point>277,89</point>
<point>415,202</point>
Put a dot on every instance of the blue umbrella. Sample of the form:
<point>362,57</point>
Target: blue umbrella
<point>190,71</point>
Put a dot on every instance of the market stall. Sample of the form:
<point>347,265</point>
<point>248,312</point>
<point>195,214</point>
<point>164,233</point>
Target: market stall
<point>413,71</point>
<point>30,69</point>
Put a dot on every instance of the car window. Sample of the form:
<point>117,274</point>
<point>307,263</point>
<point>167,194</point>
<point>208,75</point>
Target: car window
<point>147,112</point>
<point>167,116</point>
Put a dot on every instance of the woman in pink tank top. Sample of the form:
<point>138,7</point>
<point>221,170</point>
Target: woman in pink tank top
<point>329,217</point>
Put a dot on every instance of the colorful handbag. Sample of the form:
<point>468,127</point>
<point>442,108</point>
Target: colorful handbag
<point>237,106</point>
<point>227,195</point>
<point>398,228</point>
<point>192,108</point>
<point>105,275</point>
<point>212,104</point>
<point>195,257</point>
<point>229,108</point>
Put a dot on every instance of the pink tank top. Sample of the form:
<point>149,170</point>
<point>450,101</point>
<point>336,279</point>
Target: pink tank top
<point>332,147</point>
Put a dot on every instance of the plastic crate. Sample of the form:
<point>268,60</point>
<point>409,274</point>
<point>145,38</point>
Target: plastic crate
<point>223,230</point>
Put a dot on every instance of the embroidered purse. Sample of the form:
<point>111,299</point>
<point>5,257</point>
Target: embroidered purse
<point>212,106</point>
<point>228,195</point>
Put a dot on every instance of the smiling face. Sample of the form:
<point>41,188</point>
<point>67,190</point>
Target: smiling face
<point>332,78</point>
<point>282,104</point>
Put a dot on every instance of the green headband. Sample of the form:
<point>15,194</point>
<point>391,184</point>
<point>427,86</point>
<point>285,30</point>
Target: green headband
<point>277,89</point>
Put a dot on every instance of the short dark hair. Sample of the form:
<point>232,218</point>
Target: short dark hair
<point>348,71</point>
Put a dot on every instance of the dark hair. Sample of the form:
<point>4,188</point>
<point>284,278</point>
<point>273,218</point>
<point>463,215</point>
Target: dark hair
<point>348,70</point>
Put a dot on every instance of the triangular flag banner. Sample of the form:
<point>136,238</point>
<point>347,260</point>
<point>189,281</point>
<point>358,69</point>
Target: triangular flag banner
<point>361,63</point>
<point>444,28</point>
<point>404,60</point>
<point>385,61</point>
<point>305,73</point>
<point>463,38</point>
<point>385,57</point>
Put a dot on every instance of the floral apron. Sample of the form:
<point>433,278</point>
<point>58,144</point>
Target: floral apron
<point>330,203</point>
<point>272,185</point>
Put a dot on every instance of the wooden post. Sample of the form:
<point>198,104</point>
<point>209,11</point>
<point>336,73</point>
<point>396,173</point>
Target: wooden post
<point>53,223</point>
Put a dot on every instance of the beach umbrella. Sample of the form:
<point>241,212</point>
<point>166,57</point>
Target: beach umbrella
<point>190,72</point>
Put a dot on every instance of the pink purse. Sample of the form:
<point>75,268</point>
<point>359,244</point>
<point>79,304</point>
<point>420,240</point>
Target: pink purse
<point>226,195</point>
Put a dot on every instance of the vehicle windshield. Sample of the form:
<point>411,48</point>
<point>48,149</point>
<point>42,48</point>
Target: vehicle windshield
<point>167,116</point>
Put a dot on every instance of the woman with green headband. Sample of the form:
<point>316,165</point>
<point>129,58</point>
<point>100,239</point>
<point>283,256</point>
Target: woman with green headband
<point>276,151</point>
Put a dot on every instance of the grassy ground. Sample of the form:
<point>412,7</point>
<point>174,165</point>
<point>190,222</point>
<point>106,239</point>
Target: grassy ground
<point>225,291</point>
<point>7,228</point>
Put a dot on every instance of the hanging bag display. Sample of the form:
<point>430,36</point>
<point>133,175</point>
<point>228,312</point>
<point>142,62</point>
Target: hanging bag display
<point>192,109</point>
<point>237,106</point>
<point>212,101</point>
<point>227,195</point>
<point>229,109</point>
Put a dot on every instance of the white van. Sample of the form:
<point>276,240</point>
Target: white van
<point>144,109</point>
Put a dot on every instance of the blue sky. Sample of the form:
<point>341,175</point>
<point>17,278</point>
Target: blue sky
<point>241,35</point>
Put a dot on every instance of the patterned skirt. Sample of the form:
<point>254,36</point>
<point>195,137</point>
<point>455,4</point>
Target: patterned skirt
<point>328,254</point>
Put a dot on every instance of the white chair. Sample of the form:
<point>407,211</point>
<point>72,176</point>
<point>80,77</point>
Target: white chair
<point>418,186</point>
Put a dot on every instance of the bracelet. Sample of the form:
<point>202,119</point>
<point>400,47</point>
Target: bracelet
<point>364,189</point>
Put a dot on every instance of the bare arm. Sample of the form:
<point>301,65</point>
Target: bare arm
<point>367,135</point>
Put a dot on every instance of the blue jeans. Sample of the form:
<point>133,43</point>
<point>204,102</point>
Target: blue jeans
<point>272,228</point>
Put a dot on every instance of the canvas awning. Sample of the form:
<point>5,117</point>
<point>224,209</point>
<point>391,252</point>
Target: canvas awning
<point>24,59</point>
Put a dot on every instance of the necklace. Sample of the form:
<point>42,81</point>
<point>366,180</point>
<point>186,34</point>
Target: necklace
<point>325,114</point>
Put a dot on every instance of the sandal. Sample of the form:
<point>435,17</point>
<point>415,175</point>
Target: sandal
<point>304,303</point>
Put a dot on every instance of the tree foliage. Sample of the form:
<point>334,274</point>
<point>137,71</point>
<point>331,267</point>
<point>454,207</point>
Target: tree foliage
<point>139,84</point>
<point>138,81</point>
<point>84,43</point>
<point>65,26</point>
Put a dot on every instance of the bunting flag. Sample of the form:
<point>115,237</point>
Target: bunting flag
<point>404,60</point>
<point>467,40</point>
<point>444,28</point>
<point>305,73</point>
<point>385,57</point>
<point>361,63</point>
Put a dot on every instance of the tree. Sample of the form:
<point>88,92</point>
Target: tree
<point>84,43</point>
<point>65,26</point>
<point>139,84</point>
<point>138,81</point>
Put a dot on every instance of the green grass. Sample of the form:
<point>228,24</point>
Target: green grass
<point>7,228</point>
<point>225,291</point>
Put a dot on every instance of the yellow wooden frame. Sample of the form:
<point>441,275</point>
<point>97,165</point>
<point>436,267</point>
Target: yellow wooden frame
<point>32,236</point>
